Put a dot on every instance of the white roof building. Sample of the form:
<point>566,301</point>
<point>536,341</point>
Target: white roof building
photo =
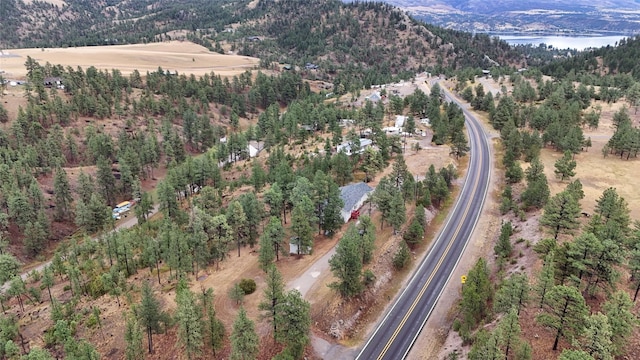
<point>391,130</point>
<point>400,120</point>
<point>346,146</point>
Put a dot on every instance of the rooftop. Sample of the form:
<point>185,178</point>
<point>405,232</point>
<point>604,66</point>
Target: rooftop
<point>352,193</point>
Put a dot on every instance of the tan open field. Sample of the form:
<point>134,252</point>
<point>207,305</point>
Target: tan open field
<point>181,56</point>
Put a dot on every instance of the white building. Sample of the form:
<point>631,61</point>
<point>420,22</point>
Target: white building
<point>400,120</point>
<point>391,130</point>
<point>346,146</point>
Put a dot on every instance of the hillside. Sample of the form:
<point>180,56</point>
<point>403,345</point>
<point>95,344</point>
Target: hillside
<point>620,60</point>
<point>540,16</point>
<point>373,40</point>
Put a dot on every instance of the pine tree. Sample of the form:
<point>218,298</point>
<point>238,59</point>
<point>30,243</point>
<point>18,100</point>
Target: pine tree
<point>565,166</point>
<point>634,269</point>
<point>245,343</point>
<point>220,237</point>
<point>459,145</point>
<point>106,181</point>
<point>618,310</point>
<point>575,189</point>
<point>266,255</point>
<point>273,237</point>
<point>536,194</point>
<point>327,203</point>
<point>237,294</point>
<point>397,212</point>
<point>274,198</point>
<point>237,220</point>
<point>214,328</point>
<point>561,214</point>
<point>254,212</point>
<point>167,200</point>
<point>273,296</point>
<point>133,338</point>
<point>367,232</point>
<point>546,278</point>
<point>486,346</point>
<point>37,353</point>
<point>402,256</point>
<point>565,312</point>
<point>382,197</point>
<point>513,294</point>
<point>48,280</point>
<point>414,235</point>
<point>258,176</point>
<point>9,267</point>
<point>575,355</point>
<point>611,207</point>
<point>346,265</point>
<point>149,314</point>
<point>503,247</point>
<point>198,240</point>
<point>476,293</point>
<point>63,196</point>
<point>302,222</point>
<point>294,322</point>
<point>509,328</point>
<point>189,318</point>
<point>144,207</point>
<point>597,337</point>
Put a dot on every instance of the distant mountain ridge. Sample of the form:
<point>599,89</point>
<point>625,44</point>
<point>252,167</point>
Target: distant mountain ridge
<point>538,16</point>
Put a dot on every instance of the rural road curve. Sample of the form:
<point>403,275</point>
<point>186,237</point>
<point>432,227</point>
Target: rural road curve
<point>130,222</point>
<point>399,329</point>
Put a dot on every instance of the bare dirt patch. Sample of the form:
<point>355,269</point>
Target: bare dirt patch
<point>181,56</point>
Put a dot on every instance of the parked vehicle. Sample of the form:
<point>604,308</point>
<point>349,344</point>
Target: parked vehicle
<point>121,209</point>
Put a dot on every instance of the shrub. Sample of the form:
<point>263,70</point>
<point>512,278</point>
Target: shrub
<point>92,321</point>
<point>368,277</point>
<point>248,286</point>
<point>457,325</point>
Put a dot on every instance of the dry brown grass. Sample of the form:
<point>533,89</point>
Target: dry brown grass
<point>181,56</point>
<point>597,173</point>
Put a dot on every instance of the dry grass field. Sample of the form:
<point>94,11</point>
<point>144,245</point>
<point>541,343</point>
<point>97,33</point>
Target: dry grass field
<point>181,56</point>
<point>596,172</point>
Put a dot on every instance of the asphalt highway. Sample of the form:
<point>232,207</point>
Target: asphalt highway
<point>396,333</point>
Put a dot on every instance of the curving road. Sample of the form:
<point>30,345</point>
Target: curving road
<point>399,329</point>
<point>130,222</point>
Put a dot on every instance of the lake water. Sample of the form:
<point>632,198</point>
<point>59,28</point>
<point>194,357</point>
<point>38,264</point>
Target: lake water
<point>563,42</point>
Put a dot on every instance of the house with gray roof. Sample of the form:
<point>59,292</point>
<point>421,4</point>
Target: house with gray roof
<point>346,147</point>
<point>353,196</point>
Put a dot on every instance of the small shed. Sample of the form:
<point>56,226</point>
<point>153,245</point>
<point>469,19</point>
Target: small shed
<point>293,247</point>
<point>353,196</point>
<point>254,148</point>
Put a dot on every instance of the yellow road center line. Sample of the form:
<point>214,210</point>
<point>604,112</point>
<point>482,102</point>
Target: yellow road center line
<point>435,270</point>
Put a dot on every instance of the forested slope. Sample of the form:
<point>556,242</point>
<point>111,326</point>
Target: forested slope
<point>372,39</point>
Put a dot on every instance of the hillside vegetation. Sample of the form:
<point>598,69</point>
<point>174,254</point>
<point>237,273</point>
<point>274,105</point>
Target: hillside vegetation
<point>375,40</point>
